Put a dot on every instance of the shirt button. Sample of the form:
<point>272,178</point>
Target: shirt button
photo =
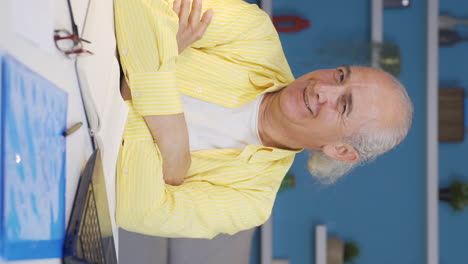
<point>125,51</point>
<point>136,94</point>
<point>199,90</point>
<point>125,171</point>
<point>234,101</point>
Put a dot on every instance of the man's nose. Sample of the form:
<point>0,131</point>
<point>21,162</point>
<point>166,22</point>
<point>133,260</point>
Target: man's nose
<point>327,93</point>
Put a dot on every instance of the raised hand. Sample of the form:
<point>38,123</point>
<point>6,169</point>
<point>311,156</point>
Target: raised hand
<point>191,27</point>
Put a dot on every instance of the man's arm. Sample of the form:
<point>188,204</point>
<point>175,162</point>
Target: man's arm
<point>176,160</point>
<point>240,50</point>
<point>149,34</point>
<point>146,37</point>
<point>204,205</point>
<point>197,210</point>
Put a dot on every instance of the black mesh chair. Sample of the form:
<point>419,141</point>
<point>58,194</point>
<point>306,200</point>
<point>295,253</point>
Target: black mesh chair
<point>89,238</point>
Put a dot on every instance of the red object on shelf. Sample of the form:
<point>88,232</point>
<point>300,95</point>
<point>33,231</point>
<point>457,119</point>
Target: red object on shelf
<point>290,23</point>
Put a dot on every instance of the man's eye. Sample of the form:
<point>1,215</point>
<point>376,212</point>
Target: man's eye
<point>341,75</point>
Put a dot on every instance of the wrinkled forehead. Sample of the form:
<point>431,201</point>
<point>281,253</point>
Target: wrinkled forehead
<point>370,76</point>
<point>372,92</point>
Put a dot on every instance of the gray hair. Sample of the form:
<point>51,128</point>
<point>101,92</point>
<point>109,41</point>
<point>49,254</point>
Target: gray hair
<point>369,142</point>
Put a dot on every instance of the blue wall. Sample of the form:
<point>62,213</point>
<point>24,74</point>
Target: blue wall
<point>380,206</point>
<point>453,72</point>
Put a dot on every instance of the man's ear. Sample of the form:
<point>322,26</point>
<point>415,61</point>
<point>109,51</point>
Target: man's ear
<point>341,151</point>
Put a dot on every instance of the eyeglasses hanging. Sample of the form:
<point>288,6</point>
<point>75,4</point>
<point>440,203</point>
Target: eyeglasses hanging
<point>70,43</point>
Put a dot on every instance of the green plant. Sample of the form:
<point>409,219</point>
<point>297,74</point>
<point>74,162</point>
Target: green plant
<point>459,191</point>
<point>351,251</point>
<point>289,181</point>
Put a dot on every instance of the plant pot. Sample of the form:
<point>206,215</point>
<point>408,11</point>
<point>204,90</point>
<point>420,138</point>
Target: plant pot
<point>445,195</point>
<point>335,250</point>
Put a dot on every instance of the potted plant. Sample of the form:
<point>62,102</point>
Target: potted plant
<point>351,251</point>
<point>289,181</point>
<point>456,194</point>
<point>339,252</point>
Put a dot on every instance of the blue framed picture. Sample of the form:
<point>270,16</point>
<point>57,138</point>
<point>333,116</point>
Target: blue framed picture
<point>33,163</point>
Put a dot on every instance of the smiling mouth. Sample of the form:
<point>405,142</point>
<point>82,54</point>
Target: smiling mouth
<point>306,101</point>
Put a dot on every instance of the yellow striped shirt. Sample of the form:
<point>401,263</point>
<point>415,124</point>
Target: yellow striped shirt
<point>238,58</point>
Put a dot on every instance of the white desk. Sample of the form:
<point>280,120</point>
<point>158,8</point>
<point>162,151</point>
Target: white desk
<point>61,71</point>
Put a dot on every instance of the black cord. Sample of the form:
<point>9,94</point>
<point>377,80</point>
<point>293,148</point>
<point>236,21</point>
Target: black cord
<point>72,20</point>
<point>78,77</point>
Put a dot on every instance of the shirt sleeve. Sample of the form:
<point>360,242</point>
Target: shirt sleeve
<point>235,20</point>
<point>198,208</point>
<point>202,210</point>
<point>146,36</point>
<point>239,51</point>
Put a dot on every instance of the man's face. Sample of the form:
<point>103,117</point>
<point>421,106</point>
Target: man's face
<point>324,106</point>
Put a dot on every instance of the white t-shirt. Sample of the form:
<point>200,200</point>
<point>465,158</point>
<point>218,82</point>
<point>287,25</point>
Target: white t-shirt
<point>212,126</point>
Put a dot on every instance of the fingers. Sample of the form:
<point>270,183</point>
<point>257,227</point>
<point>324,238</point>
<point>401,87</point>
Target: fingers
<point>184,12</point>
<point>176,6</point>
<point>194,18</point>
<point>205,22</point>
<point>174,182</point>
<point>191,27</point>
<point>206,19</point>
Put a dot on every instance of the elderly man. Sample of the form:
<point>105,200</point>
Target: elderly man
<point>216,117</point>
